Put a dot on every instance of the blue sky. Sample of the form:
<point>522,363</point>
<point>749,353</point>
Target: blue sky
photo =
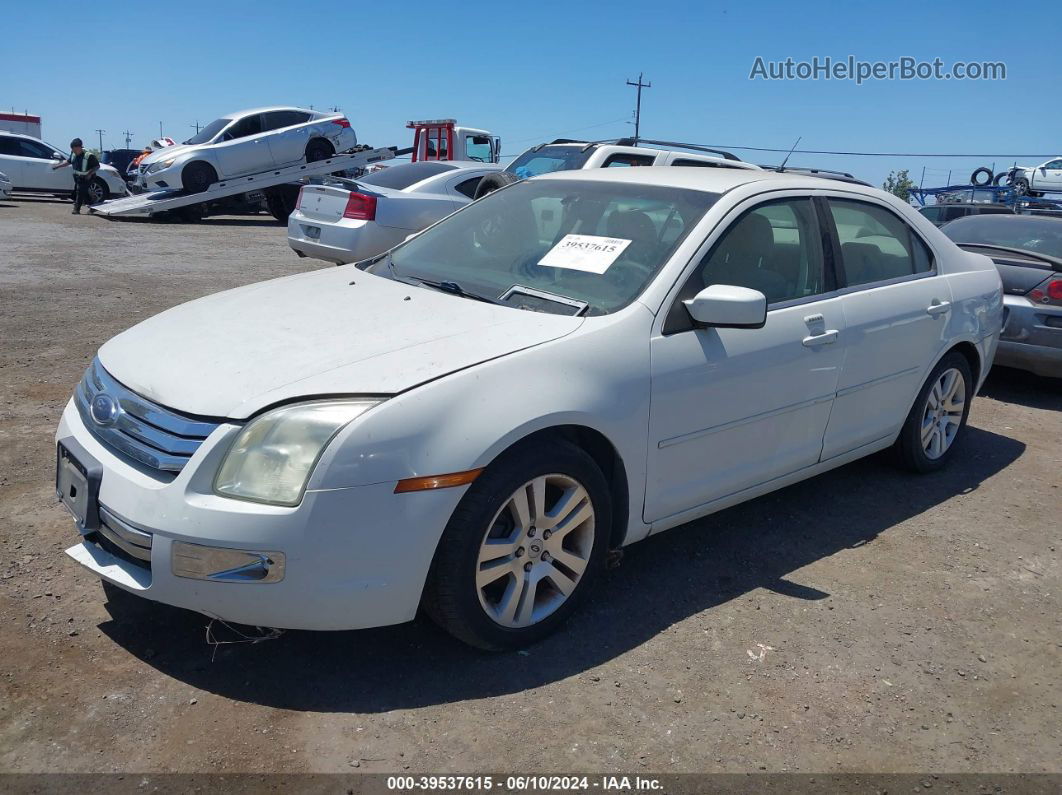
<point>533,71</point>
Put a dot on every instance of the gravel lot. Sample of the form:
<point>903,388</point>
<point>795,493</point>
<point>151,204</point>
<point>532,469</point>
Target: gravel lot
<point>866,620</point>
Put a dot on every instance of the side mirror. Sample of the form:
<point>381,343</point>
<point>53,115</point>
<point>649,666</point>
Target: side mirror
<point>57,156</point>
<point>727,306</point>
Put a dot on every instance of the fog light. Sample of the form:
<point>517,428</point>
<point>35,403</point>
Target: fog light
<point>200,562</point>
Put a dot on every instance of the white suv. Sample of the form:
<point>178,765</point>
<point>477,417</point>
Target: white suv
<point>28,162</point>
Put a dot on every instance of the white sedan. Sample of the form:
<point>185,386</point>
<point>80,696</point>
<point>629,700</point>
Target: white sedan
<point>471,422</point>
<point>245,143</point>
<point>340,220</point>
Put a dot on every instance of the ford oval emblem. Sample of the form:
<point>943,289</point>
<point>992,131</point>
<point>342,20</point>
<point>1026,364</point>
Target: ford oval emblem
<point>104,409</point>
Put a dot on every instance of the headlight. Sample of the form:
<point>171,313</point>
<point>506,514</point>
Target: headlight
<point>273,456</point>
<point>161,165</point>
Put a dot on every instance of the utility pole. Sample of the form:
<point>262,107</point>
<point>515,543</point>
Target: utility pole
<point>638,106</point>
<point>128,138</point>
<point>101,132</point>
<point>196,125</point>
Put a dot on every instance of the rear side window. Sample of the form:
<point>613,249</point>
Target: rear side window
<point>626,161</point>
<point>276,119</point>
<point>468,187</point>
<point>875,244</point>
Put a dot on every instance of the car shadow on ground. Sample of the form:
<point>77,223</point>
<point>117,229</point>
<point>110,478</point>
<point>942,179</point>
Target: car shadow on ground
<point>663,580</point>
<point>1023,388</point>
<point>249,220</point>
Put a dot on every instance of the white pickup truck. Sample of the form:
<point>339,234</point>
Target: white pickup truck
<point>567,155</point>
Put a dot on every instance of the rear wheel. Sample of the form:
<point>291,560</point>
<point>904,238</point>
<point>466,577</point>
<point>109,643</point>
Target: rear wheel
<point>927,439</point>
<point>522,548</point>
<point>318,149</point>
<point>280,201</point>
<point>198,176</point>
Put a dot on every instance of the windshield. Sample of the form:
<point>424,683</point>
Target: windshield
<point>399,177</point>
<point>594,242</point>
<point>1038,235</point>
<point>208,132</point>
<point>549,159</point>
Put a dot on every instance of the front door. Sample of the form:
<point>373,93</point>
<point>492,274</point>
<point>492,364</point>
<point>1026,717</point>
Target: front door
<point>244,148</point>
<point>896,308</point>
<point>733,408</point>
<point>38,172</point>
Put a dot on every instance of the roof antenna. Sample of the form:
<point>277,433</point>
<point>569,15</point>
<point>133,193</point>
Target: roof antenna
<point>782,167</point>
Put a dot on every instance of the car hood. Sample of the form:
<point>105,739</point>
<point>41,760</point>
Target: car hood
<point>338,331</point>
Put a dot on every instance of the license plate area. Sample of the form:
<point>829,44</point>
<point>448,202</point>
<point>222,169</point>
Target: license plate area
<point>312,232</point>
<point>77,484</point>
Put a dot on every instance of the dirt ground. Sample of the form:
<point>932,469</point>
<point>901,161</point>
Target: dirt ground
<point>866,620</point>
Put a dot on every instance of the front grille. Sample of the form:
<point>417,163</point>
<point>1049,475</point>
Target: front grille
<point>150,434</point>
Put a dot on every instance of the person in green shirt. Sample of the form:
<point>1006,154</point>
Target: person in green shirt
<point>85,165</point>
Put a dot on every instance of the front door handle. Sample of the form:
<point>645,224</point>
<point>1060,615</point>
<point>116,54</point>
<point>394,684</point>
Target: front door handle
<point>825,338</point>
<point>938,308</point>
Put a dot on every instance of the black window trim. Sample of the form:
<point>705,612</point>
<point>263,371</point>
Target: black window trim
<point>677,319</point>
<point>650,159</point>
<point>844,288</point>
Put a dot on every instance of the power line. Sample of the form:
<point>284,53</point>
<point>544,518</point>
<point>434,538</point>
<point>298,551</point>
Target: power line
<point>865,154</point>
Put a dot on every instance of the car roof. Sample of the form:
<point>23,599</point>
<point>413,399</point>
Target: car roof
<point>710,180</point>
<point>241,113</point>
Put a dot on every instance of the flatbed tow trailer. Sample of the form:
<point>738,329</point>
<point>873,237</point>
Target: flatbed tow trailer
<point>162,201</point>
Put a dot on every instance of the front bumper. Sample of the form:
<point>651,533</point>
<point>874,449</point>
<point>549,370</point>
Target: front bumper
<point>1031,338</point>
<point>343,241</point>
<point>352,557</point>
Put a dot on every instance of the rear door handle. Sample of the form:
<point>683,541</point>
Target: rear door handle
<point>825,338</point>
<point>938,308</point>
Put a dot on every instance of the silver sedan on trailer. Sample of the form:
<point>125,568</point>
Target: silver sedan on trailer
<point>342,220</point>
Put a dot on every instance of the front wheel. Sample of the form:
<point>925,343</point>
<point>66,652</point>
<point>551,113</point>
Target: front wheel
<point>927,439</point>
<point>1020,185</point>
<point>98,191</point>
<point>198,176</point>
<point>522,548</point>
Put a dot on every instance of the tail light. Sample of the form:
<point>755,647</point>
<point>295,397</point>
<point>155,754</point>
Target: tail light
<point>360,207</point>
<point>298,201</point>
<point>342,123</point>
<point>1048,291</point>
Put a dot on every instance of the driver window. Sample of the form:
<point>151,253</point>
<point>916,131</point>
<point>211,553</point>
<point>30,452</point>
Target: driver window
<point>477,147</point>
<point>251,125</point>
<point>774,248</point>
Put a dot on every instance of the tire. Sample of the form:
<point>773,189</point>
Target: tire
<point>982,170</point>
<point>98,191</point>
<point>1003,178</point>
<point>1021,186</point>
<point>916,451</point>
<point>491,182</point>
<point>318,149</point>
<point>280,201</point>
<point>197,176</point>
<point>457,602</point>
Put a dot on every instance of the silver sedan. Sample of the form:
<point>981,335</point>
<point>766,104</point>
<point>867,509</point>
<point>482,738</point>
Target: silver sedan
<point>342,220</point>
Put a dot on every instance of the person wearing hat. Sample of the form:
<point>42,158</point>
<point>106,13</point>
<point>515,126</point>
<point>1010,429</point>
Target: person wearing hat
<point>85,165</point>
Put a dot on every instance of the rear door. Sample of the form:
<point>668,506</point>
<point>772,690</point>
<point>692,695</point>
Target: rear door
<point>288,134</point>
<point>244,148</point>
<point>896,307</point>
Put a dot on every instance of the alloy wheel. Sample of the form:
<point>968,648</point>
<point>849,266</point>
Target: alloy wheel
<point>942,416</point>
<point>535,550</point>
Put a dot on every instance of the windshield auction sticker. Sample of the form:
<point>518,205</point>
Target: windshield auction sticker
<point>588,253</point>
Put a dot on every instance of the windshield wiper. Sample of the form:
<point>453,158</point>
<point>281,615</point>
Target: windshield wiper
<point>447,286</point>
<point>1057,262</point>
